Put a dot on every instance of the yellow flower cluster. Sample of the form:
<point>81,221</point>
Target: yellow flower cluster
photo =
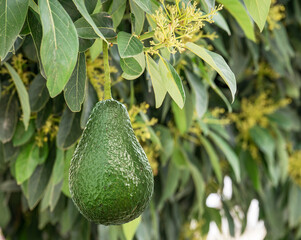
<point>294,167</point>
<point>277,13</point>
<point>253,112</point>
<point>48,131</point>
<point>178,24</point>
<point>20,65</point>
<point>95,73</point>
<point>142,132</point>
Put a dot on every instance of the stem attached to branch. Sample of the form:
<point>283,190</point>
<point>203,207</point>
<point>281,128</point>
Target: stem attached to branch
<point>107,86</point>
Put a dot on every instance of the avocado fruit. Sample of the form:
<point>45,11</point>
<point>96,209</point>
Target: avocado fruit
<point>110,179</point>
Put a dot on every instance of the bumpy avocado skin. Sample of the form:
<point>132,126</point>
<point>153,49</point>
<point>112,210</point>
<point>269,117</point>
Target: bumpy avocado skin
<point>110,179</point>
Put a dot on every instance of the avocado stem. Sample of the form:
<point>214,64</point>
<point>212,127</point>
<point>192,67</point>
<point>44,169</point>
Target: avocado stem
<point>107,85</point>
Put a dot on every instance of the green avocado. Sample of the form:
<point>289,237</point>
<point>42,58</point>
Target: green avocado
<point>110,179</point>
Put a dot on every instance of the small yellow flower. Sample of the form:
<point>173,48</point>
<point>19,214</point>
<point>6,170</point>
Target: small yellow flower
<point>276,14</point>
<point>254,111</point>
<point>180,23</point>
<point>294,167</point>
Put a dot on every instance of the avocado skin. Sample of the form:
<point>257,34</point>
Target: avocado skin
<point>110,179</point>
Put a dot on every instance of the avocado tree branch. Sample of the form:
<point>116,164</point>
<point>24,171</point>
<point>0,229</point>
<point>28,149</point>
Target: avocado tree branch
<point>107,85</point>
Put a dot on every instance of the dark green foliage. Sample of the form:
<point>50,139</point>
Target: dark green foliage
<point>49,84</point>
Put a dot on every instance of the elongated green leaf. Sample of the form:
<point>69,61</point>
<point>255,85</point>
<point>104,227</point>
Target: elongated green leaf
<point>103,22</point>
<point>170,183</point>
<point>38,93</point>
<point>133,67</point>
<point>67,161</point>
<point>74,91</point>
<point>252,169</point>
<point>145,5</point>
<point>229,153</point>
<point>90,100</point>
<point>117,10</point>
<point>37,183</point>
<point>213,158</point>
<point>5,212</point>
<point>221,22</point>
<point>157,82</point>
<point>69,129</point>
<point>201,93</point>
<point>238,11</point>
<point>139,17</point>
<point>130,228</point>
<point>217,63</point>
<point>59,45</point>
<point>80,4</point>
<point>28,159</point>
<point>259,10</point>
<point>21,135</point>
<point>128,45</point>
<point>35,27</point>
<point>12,17</point>
<point>95,49</point>
<point>53,190</point>
<point>8,117</point>
<point>172,82</point>
<point>22,93</point>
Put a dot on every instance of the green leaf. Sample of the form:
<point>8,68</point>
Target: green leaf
<point>35,27</point>
<point>117,10</point>
<point>55,184</point>
<point>139,18</point>
<point>103,22</point>
<point>171,182</point>
<point>294,210</point>
<point>37,183</point>
<point>172,82</point>
<point>229,153</point>
<point>217,62</point>
<point>130,228</point>
<point>238,11</point>
<point>22,93</point>
<point>133,67</point>
<point>251,168</point>
<point>59,45</point>
<point>90,101</point>
<point>74,91</point>
<point>266,143</point>
<point>28,159</point>
<point>5,212</point>
<point>69,129</point>
<point>128,45</point>
<point>145,5</point>
<point>221,22</point>
<point>85,44</point>
<point>96,49</point>
<point>38,93</point>
<point>67,161</point>
<point>12,17</point>
<point>21,135</point>
<point>200,92</point>
<point>183,117</point>
<point>259,10</point>
<point>80,4</point>
<point>157,82</point>
<point>8,117</point>
<point>213,158</point>
<point>68,218</point>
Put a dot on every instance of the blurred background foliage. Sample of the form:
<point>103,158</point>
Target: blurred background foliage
<point>256,141</point>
